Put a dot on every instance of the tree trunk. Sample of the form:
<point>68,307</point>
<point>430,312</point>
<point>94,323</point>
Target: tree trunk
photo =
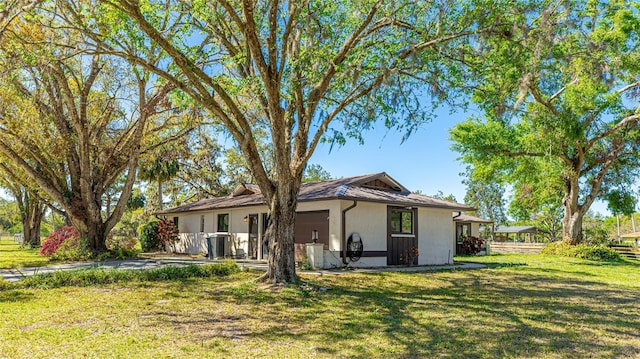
<point>572,226</point>
<point>280,235</point>
<point>573,211</point>
<point>90,226</point>
<point>31,222</point>
<point>95,235</point>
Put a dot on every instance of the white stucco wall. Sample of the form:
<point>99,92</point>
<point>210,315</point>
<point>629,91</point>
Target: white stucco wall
<point>434,236</point>
<point>368,219</point>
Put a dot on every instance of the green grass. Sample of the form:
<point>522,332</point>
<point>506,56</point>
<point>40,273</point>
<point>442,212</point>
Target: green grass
<point>14,256</point>
<point>522,306</point>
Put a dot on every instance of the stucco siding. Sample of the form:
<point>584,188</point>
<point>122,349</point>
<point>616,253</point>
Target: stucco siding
<point>368,219</point>
<point>434,236</point>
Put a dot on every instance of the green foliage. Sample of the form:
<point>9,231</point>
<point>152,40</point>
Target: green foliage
<point>315,173</point>
<point>591,252</point>
<point>9,217</point>
<point>98,276</point>
<point>621,202</point>
<point>487,195</point>
<point>553,86</point>
<point>136,200</point>
<point>449,197</point>
<point>122,247</point>
<point>73,249</point>
<point>149,239</point>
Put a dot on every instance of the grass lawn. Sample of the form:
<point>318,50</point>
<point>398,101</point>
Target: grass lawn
<point>522,306</point>
<point>13,256</point>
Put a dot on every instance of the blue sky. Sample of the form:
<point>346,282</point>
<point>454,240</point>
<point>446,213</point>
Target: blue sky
<point>424,162</point>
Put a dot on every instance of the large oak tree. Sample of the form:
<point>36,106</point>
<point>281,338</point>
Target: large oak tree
<point>292,69</point>
<point>73,123</point>
<point>559,89</point>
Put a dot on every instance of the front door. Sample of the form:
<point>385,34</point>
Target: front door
<point>253,236</point>
<point>402,235</point>
<point>308,223</point>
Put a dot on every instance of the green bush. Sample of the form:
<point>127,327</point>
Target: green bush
<point>149,239</point>
<point>73,249</point>
<point>596,253</point>
<point>98,276</point>
<point>122,247</point>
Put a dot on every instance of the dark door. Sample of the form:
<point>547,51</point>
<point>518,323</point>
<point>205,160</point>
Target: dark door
<point>306,224</point>
<point>402,235</point>
<point>253,236</point>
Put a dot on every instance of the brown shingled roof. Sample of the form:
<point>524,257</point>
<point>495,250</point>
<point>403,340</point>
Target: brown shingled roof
<point>378,187</point>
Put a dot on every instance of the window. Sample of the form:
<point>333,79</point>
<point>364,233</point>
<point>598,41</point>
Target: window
<point>202,223</point>
<point>223,222</point>
<point>175,221</point>
<point>402,221</point>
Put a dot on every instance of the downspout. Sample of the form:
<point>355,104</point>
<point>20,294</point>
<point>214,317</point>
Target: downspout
<point>344,231</point>
<point>457,215</point>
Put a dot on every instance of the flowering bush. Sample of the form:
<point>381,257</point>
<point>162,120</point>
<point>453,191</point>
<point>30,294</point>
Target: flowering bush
<point>65,244</point>
<point>472,245</point>
<point>53,242</point>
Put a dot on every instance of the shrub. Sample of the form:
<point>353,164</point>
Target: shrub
<point>595,253</point>
<point>168,233</point>
<point>149,239</point>
<point>98,276</point>
<point>472,245</point>
<point>73,249</point>
<point>122,247</point>
<point>53,242</point>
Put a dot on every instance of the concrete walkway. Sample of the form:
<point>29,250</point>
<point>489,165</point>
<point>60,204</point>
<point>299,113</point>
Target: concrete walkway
<point>14,275</point>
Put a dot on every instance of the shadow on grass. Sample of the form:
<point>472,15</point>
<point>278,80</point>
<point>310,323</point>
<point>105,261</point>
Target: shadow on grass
<point>15,296</point>
<point>459,314</point>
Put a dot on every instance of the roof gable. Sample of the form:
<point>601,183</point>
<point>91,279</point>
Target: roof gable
<point>379,187</point>
<point>380,181</point>
<point>244,189</point>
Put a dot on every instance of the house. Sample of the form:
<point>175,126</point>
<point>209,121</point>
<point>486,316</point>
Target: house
<point>365,221</point>
<point>467,225</point>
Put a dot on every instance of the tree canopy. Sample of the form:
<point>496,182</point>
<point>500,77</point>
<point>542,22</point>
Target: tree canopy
<point>559,92</point>
<point>73,123</point>
<point>291,69</point>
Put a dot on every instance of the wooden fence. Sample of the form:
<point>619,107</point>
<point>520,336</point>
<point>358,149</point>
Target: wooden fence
<point>629,252</point>
<point>534,248</point>
<point>516,247</point>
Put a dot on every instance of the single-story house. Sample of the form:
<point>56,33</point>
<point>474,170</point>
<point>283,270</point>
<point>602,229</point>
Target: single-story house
<point>365,221</point>
<point>466,225</point>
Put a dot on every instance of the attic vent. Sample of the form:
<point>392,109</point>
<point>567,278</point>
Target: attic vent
<point>342,190</point>
<point>378,184</point>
